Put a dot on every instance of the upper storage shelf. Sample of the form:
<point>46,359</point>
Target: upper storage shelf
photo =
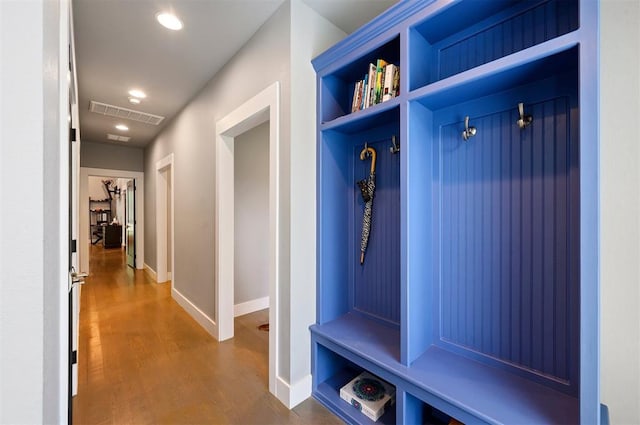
<point>472,33</point>
<point>337,88</point>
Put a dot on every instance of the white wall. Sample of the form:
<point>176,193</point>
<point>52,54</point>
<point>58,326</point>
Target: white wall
<point>620,209</point>
<point>119,201</point>
<point>287,43</point>
<point>33,135</point>
<point>96,187</point>
<point>190,137</point>
<point>311,34</point>
<point>251,214</point>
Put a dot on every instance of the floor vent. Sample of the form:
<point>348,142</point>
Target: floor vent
<point>129,114</point>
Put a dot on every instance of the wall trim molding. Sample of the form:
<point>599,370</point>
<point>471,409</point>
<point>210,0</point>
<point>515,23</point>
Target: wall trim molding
<point>292,395</point>
<point>198,315</point>
<point>250,306</point>
<point>263,107</point>
<point>165,191</point>
<point>150,272</point>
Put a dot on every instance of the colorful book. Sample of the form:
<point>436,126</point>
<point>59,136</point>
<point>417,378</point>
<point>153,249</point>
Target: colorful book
<point>380,64</point>
<point>396,82</point>
<point>389,75</point>
<point>370,85</point>
<point>363,92</point>
<point>356,92</point>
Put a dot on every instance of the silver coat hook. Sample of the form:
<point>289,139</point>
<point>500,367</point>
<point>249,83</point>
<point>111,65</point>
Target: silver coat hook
<point>395,145</point>
<point>468,131</point>
<point>525,120</point>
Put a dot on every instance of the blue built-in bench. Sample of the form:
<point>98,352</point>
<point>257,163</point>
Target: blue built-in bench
<point>478,294</point>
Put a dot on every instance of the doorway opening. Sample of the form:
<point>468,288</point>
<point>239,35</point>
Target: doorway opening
<point>262,108</point>
<point>89,216</point>
<point>129,230</point>
<point>164,219</point>
<point>251,223</point>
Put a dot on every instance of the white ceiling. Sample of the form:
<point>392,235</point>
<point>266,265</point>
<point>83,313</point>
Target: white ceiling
<point>120,46</point>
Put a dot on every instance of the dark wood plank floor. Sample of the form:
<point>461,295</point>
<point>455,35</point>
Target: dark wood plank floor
<point>143,360</point>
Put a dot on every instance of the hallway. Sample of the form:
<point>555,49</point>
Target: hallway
<point>143,360</point>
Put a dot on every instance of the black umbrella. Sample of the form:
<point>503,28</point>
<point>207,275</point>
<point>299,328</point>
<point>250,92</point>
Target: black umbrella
<point>367,187</point>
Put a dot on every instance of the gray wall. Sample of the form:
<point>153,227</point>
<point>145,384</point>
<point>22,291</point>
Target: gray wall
<point>190,137</point>
<point>620,210</point>
<point>33,155</point>
<point>251,214</point>
<point>111,157</point>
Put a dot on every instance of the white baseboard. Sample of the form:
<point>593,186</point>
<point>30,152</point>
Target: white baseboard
<point>250,306</point>
<point>197,314</point>
<point>292,395</point>
<point>151,272</point>
<point>169,275</point>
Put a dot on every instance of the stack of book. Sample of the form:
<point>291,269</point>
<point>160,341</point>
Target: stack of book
<point>380,84</point>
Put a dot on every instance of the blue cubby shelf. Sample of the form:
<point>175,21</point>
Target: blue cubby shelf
<point>478,299</point>
<point>468,390</point>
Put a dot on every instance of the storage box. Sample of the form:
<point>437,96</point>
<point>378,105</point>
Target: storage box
<point>369,394</point>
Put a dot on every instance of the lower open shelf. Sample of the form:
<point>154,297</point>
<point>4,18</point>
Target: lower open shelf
<point>470,391</point>
<point>328,393</point>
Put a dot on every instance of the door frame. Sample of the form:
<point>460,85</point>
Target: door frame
<point>125,233</point>
<point>162,185</point>
<point>84,240</point>
<point>263,107</point>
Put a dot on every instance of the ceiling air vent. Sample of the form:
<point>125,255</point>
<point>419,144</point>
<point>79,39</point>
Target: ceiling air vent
<point>118,138</point>
<point>129,114</point>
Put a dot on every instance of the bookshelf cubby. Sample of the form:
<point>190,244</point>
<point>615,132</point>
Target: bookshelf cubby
<point>478,295</point>
<point>472,33</point>
<point>337,86</point>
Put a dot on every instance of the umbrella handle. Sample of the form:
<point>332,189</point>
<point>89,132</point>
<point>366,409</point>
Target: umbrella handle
<point>367,151</point>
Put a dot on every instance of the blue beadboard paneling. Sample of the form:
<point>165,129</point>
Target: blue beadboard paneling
<point>377,281</point>
<point>333,226</point>
<point>507,276</point>
<point>512,29</point>
<point>532,26</point>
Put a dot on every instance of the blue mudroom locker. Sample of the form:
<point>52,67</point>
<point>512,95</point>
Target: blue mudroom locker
<point>476,293</point>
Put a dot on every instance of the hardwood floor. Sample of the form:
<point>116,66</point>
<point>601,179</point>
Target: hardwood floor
<point>144,360</point>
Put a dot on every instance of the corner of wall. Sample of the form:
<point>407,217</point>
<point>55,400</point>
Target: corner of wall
<point>619,210</point>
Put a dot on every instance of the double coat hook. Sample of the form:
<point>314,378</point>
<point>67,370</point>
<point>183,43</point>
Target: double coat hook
<point>525,120</point>
<point>468,132</point>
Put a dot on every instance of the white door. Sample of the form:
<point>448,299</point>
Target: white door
<point>75,277</point>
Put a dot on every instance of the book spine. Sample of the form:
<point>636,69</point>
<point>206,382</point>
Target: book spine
<point>363,93</point>
<point>354,102</point>
<point>396,82</point>
<point>388,82</point>
<point>381,63</point>
<point>370,85</point>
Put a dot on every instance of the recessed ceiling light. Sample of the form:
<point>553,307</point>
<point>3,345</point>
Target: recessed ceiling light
<point>169,21</point>
<point>122,127</point>
<point>137,93</point>
<point>134,100</point>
